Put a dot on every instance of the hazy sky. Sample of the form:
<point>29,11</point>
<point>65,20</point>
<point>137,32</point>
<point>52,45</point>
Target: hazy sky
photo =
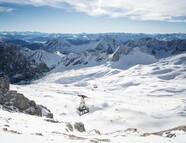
<point>93,16</point>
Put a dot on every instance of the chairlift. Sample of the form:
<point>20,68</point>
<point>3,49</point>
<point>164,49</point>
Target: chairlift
<point>82,109</point>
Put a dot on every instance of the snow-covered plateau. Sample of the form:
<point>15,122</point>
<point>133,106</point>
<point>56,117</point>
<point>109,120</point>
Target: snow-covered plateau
<point>129,103</point>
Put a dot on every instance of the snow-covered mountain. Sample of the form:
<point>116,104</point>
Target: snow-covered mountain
<point>23,43</point>
<point>135,89</point>
<point>58,50</point>
<point>142,103</point>
<point>94,52</point>
<point>26,36</point>
<point>158,48</point>
<point>59,44</point>
<point>20,64</point>
<point>50,59</point>
<point>109,45</point>
<point>112,49</point>
<point>85,38</point>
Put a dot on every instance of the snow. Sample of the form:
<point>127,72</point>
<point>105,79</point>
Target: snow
<point>64,46</point>
<point>134,58</point>
<point>59,44</point>
<point>50,59</point>
<point>148,95</point>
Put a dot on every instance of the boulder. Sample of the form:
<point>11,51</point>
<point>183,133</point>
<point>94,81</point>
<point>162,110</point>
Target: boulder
<point>131,130</point>
<point>79,126</point>
<point>43,111</point>
<point>70,127</point>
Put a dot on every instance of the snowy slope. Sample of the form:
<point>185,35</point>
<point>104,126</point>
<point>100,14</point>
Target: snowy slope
<point>158,48</point>
<point>50,59</point>
<point>147,95</point>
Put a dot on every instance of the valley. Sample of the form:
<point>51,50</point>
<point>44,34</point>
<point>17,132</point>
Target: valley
<point>132,92</point>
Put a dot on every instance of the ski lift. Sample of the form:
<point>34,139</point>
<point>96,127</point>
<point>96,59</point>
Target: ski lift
<point>82,109</point>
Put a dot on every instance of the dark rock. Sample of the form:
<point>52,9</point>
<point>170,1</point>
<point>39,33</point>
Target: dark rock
<point>121,51</point>
<point>32,103</point>
<point>154,46</point>
<point>51,121</point>
<point>5,129</point>
<point>94,131</point>
<point>16,102</point>
<point>21,102</point>
<point>44,111</point>
<point>6,125</point>
<point>11,131</point>
<point>18,64</point>
<point>69,126</point>
<point>73,137</point>
<point>39,134</point>
<point>79,126</point>
<point>170,133</point>
<point>4,85</point>
<point>131,130</point>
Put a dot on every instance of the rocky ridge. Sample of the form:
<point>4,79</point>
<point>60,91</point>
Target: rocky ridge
<point>22,65</point>
<point>111,49</point>
<point>156,47</point>
<point>17,66</point>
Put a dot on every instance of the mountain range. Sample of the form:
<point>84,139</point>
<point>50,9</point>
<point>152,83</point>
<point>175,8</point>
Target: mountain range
<point>134,84</point>
<point>24,59</point>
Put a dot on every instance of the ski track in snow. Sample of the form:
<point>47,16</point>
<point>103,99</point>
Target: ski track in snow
<point>147,97</point>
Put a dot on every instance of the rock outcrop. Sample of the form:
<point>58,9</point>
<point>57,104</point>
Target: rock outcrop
<point>4,85</point>
<point>79,126</point>
<point>168,133</point>
<point>17,102</point>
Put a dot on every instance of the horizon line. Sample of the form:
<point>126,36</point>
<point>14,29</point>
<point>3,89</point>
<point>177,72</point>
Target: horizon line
<point>91,32</point>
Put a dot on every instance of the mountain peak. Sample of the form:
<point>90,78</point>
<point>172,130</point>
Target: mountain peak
<point>56,44</point>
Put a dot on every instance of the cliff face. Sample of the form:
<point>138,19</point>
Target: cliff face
<point>158,48</point>
<point>16,65</point>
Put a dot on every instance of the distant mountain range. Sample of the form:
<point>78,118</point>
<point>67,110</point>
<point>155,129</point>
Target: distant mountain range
<point>27,55</point>
<point>84,38</point>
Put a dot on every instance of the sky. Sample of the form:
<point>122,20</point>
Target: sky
<point>93,16</point>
